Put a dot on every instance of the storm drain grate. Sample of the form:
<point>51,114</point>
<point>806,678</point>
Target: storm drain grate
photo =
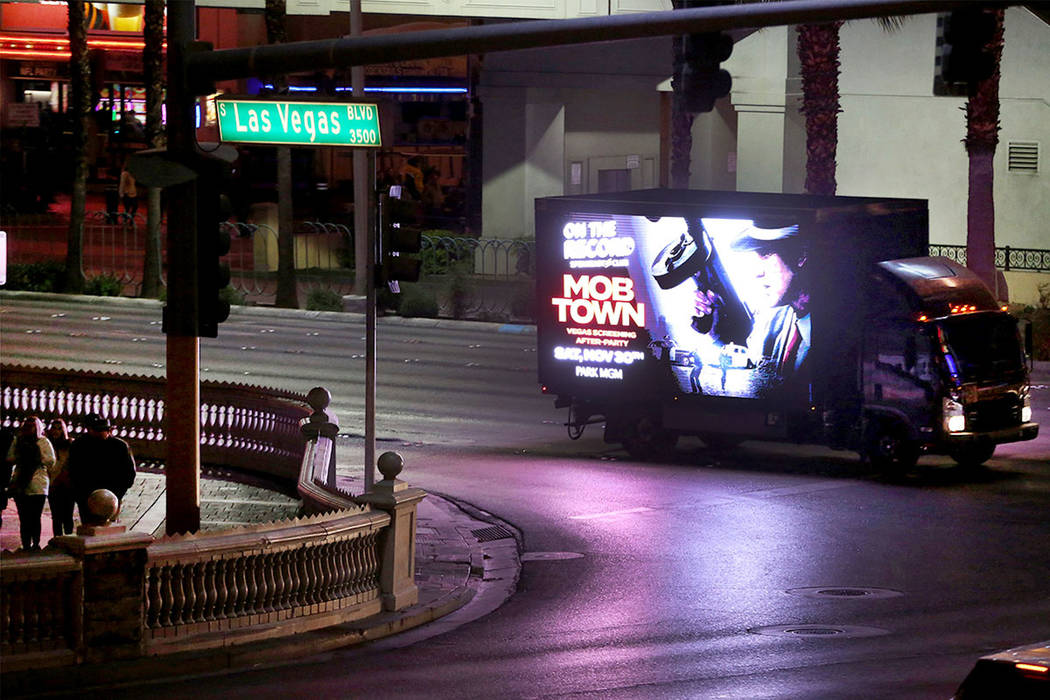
<point>844,592</point>
<point>488,534</point>
<point>840,631</point>
<point>815,631</point>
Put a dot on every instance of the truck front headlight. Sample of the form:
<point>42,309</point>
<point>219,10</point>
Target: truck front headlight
<point>954,416</point>
<point>1026,410</point>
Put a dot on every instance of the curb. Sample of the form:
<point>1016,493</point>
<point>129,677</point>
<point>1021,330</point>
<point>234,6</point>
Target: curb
<point>524,329</point>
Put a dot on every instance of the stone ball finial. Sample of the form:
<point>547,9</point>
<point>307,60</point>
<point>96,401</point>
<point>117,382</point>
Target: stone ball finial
<point>103,506</point>
<point>319,398</point>
<point>390,465</point>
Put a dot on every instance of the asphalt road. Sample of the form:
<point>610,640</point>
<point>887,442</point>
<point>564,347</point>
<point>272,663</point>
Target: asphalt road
<point>773,571</point>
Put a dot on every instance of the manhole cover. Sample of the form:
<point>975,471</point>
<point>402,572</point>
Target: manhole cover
<point>550,556</point>
<point>844,592</point>
<point>488,534</point>
<point>837,631</point>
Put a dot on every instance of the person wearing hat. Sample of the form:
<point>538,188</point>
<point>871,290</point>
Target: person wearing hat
<point>782,332</point>
<point>98,460</point>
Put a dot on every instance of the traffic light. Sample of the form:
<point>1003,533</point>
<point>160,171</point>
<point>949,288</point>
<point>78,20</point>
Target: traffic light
<point>196,273</point>
<point>398,244</point>
<point>213,242</point>
<point>703,80</point>
<point>968,56</point>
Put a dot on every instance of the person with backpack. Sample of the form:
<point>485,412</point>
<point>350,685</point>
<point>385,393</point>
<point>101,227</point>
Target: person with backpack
<point>32,456</point>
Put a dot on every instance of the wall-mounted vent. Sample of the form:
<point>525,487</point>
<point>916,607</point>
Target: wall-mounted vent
<point>1023,157</point>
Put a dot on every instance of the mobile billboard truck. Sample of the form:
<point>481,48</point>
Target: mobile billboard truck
<point>736,316</point>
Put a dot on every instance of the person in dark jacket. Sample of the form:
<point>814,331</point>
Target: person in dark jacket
<point>98,460</point>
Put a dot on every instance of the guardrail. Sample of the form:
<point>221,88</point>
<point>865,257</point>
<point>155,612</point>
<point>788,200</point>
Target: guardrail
<point>1007,258</point>
<point>97,599</point>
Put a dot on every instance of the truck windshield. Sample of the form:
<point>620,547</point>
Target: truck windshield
<point>984,346</point>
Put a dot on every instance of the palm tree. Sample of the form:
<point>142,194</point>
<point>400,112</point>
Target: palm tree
<point>153,35</point>
<point>982,137</point>
<point>818,53</point>
<point>287,297</point>
<point>681,118</point>
<point>80,109</point>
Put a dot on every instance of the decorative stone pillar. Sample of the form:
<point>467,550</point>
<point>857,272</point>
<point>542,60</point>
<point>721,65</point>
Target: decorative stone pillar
<point>322,424</point>
<point>113,614</point>
<point>397,578</point>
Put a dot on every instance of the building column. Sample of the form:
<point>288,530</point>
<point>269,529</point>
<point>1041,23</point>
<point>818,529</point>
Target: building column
<point>523,157</point>
<point>760,147</point>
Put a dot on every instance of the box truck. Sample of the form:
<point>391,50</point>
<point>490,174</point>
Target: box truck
<point>737,316</point>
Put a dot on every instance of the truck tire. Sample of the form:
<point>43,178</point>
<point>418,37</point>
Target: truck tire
<point>646,439</point>
<point>972,456</point>
<point>891,449</point>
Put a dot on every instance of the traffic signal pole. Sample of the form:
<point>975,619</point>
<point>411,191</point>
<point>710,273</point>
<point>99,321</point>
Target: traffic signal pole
<point>365,250</point>
<point>182,398</point>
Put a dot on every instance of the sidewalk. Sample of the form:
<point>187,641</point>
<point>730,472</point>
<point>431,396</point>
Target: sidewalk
<point>462,556</point>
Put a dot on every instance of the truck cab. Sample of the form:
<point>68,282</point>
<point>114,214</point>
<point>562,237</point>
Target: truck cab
<point>942,367</point>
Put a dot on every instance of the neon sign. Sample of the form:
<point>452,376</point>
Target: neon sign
<point>599,299</point>
<point>595,244</point>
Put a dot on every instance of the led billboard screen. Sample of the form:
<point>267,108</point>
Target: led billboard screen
<point>709,306</point>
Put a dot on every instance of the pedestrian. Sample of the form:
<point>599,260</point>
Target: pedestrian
<point>98,460</point>
<point>129,195</point>
<point>32,456</point>
<point>7,438</point>
<point>60,492</point>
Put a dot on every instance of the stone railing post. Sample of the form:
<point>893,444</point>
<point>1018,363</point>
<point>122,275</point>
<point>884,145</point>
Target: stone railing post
<point>113,614</point>
<point>321,423</point>
<point>397,578</point>
<point>113,562</point>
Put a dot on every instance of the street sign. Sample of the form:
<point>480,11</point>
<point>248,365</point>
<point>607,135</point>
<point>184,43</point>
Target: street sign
<point>286,123</point>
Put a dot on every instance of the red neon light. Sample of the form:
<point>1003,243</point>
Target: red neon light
<point>19,53</point>
<point>63,43</point>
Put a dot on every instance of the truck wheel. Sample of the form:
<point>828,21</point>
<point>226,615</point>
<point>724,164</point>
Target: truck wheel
<point>972,456</point>
<point>891,450</point>
<point>646,439</point>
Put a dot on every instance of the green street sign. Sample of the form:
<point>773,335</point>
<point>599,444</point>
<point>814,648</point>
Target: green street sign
<point>298,123</point>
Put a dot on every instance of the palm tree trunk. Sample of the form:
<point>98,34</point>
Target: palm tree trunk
<point>818,53</point>
<point>287,296</point>
<point>982,137</point>
<point>153,35</point>
<point>80,76</point>
<point>681,122</point>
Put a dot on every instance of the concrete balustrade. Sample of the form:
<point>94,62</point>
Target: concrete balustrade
<point>92,599</point>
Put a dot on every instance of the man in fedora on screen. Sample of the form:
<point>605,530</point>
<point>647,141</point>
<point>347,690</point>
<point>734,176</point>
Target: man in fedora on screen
<point>776,258</point>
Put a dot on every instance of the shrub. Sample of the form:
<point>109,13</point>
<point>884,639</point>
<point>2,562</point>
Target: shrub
<point>48,276</point>
<point>417,302</point>
<point>324,300</point>
<point>435,261</point>
<point>523,303</point>
<point>230,295</point>
<point>459,292</point>
<point>385,299</point>
<point>447,252</point>
<point>104,286</point>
